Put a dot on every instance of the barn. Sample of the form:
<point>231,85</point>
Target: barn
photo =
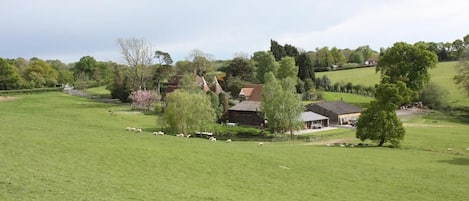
<point>338,112</point>
<point>246,113</point>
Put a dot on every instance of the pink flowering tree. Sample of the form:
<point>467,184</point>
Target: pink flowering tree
<point>142,99</point>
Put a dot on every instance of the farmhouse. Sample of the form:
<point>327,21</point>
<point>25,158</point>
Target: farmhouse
<point>313,120</point>
<point>246,113</point>
<point>338,112</point>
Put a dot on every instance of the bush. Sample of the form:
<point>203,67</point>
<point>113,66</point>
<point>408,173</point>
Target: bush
<point>239,131</point>
<point>433,96</point>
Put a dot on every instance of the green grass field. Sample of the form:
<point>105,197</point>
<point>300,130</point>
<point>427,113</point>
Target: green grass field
<point>58,147</point>
<point>442,75</point>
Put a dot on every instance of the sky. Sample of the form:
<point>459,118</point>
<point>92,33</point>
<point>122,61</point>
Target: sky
<point>70,29</point>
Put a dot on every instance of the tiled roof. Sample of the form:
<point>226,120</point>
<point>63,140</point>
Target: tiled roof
<point>254,90</point>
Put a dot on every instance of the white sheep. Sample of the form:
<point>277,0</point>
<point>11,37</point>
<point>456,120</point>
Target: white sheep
<point>188,136</point>
<point>180,135</point>
<point>133,129</point>
<point>450,149</point>
<point>138,130</point>
<point>127,128</point>
<point>212,139</point>
<point>228,141</point>
<point>260,144</point>
<point>467,149</point>
<point>160,133</point>
<point>155,133</point>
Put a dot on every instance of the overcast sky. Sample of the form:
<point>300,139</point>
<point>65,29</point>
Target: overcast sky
<point>70,29</point>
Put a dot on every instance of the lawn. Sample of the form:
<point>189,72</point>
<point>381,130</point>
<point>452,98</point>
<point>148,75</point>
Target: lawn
<point>58,147</point>
<point>442,75</point>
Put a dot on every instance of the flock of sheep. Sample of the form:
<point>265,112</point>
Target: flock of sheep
<point>211,139</point>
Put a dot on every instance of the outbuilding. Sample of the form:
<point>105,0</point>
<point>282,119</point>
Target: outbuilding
<point>338,112</point>
<point>247,113</point>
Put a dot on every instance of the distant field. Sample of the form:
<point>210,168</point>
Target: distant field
<point>358,100</point>
<point>58,147</point>
<point>99,91</point>
<point>442,75</point>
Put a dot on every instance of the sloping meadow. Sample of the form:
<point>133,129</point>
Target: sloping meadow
<point>58,147</point>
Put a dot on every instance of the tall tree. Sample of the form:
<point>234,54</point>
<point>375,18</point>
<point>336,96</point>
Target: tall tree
<point>290,50</point>
<point>324,57</point>
<point>281,104</point>
<point>466,41</point>
<point>265,62</point>
<point>376,123</point>
<point>338,56</point>
<point>379,120</point>
<point>462,76</point>
<point>163,68</point>
<point>200,62</point>
<point>41,74</point>
<point>120,87</point>
<point>287,68</point>
<point>356,57</point>
<point>277,50</point>
<point>187,112</point>
<point>9,77</point>
<point>407,63</point>
<point>458,48</point>
<point>305,66</point>
<point>85,67</point>
<point>139,56</point>
<point>242,68</point>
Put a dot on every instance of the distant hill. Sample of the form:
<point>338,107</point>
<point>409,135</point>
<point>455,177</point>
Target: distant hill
<point>442,75</point>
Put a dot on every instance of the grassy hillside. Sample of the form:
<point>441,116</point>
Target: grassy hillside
<point>442,75</point>
<point>57,147</point>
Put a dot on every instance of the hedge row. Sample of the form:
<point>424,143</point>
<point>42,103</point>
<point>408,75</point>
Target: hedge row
<point>29,91</point>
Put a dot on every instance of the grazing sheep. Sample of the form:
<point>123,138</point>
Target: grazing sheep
<point>260,144</point>
<point>133,129</point>
<point>450,149</point>
<point>228,141</point>
<point>329,145</point>
<point>342,145</point>
<point>155,133</point>
<point>138,130</point>
<point>188,136</point>
<point>127,128</point>
<point>180,135</point>
<point>160,133</point>
<point>467,149</point>
<point>212,139</point>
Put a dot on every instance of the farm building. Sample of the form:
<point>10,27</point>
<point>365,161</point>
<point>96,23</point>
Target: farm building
<point>246,113</point>
<point>338,112</point>
<point>313,120</point>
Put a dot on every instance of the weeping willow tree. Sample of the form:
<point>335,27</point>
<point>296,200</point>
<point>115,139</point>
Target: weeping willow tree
<point>187,112</point>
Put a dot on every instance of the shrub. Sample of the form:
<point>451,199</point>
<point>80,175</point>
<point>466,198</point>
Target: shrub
<point>142,99</point>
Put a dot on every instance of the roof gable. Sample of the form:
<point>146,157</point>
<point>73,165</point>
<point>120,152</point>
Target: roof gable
<point>252,91</point>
